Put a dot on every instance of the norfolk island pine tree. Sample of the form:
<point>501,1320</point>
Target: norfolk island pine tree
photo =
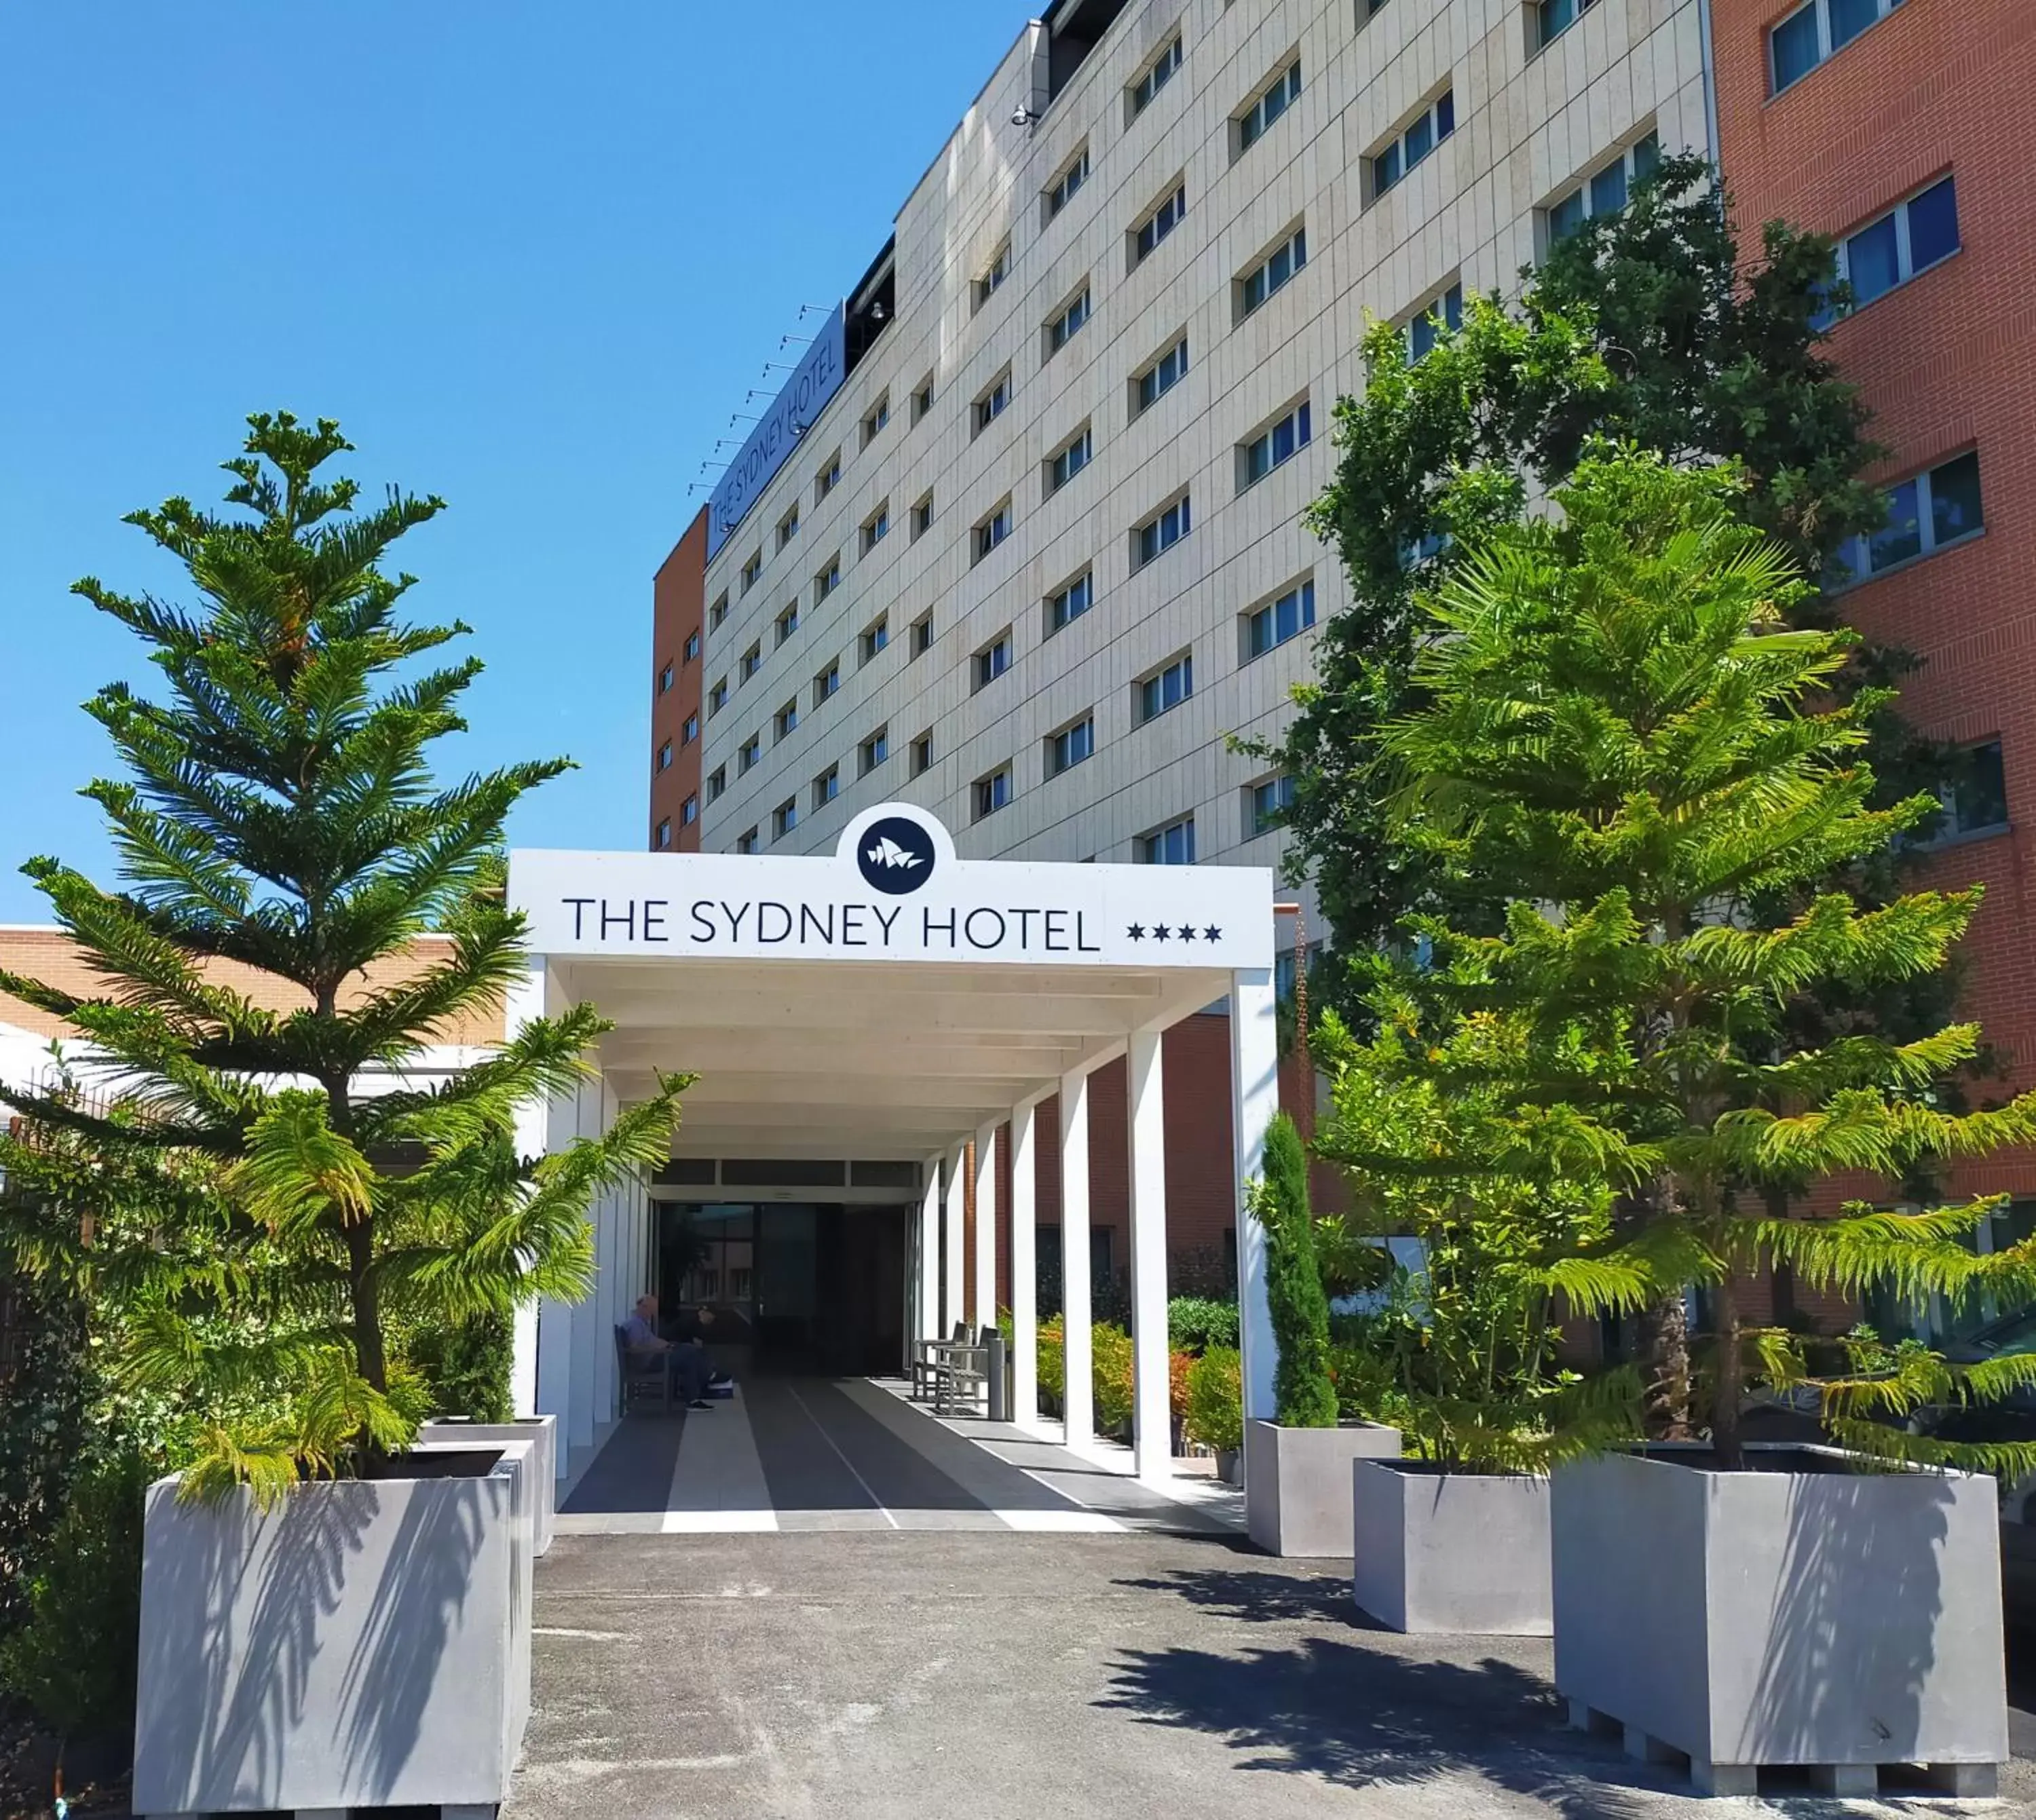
<point>280,813</point>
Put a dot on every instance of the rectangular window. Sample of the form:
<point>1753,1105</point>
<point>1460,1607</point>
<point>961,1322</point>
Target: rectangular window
<point>876,749</point>
<point>692,649</point>
<point>875,527</point>
<point>788,718</point>
<point>664,836</point>
<point>999,269</point>
<point>1070,746</point>
<point>788,621</point>
<point>1171,845</point>
<point>1068,460</point>
<point>828,579</point>
<point>1161,533</point>
<point>993,530</point>
<point>1816,30</point>
<point>827,683</point>
<point>788,527</point>
<point>1975,797</point>
<point>1163,375</point>
<point>746,842</point>
<point>922,399</point>
<point>664,679</point>
<point>1066,326</point>
<point>922,755</point>
<point>826,787</point>
<point>1268,801</point>
<point>752,662</point>
<point>716,697</point>
<point>1273,271</point>
<point>716,782</point>
<point>1926,515</point>
<point>1286,90</point>
<point>873,425</point>
<point>922,635</point>
<point>1439,316</point>
<point>1277,443</point>
<point>690,731</point>
<point>751,570</point>
<point>922,517</point>
<point>989,407</point>
<point>689,811</point>
<point>1071,602</point>
<point>1167,689</point>
<point>1073,175</point>
<point>1554,17</point>
<point>992,660</point>
<point>718,612</point>
<point>1907,240</point>
<point>664,756</point>
<point>1159,223</point>
<point>1156,76</point>
<point>828,478</point>
<point>993,793</point>
<point>784,818</point>
<point>1281,620</point>
<point>1605,191</point>
<point>1421,135</point>
<point>875,637</point>
<point>751,754</point>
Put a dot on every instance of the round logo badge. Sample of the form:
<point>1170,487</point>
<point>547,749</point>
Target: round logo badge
<point>895,856</point>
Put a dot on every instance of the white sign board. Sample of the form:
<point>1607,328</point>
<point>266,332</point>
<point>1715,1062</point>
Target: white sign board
<point>893,891</point>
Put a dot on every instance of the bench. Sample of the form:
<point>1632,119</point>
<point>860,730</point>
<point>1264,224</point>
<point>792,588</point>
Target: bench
<point>641,1375</point>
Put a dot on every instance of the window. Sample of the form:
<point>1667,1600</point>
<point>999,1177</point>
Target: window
<point>923,753</point>
<point>692,650</point>
<point>1268,801</point>
<point>1066,326</point>
<point>993,793</point>
<point>788,621</point>
<point>875,750</point>
<point>875,636</point>
<point>1159,223</point>
<point>828,478</point>
<point>992,660</point>
<point>1553,17</point>
<point>784,818</point>
<point>664,679</point>
<point>664,756</point>
<point>875,527</point>
<point>922,517</point>
<point>826,787</point>
<point>1286,90</point>
<point>1168,688</point>
<point>1279,620</point>
<point>717,783</point>
<point>752,662</point>
<point>751,754</point>
<point>1068,460</point>
<point>989,407</point>
<point>718,612</point>
<point>689,811</point>
<point>1925,514</point>
<point>1975,796</point>
<point>1427,130</point>
<point>827,683</point>
<point>788,527</point>
<point>716,697</point>
<point>1071,602</point>
<point>751,570</point>
<point>690,731</point>
<point>1070,746</point>
<point>1171,845</point>
<point>1910,239</point>
<point>746,842</point>
<point>1604,192</point>
<point>922,399</point>
<point>828,579</point>
<point>999,269</point>
<point>1816,30</point>
<point>788,718</point>
<point>1162,376</point>
<point>1442,315</point>
<point>1160,533</point>
<point>1273,271</point>
<point>1073,175</point>
<point>879,415</point>
<point>922,635</point>
<point>993,530</point>
<point>1278,442</point>
<point>1157,75</point>
<point>663,834</point>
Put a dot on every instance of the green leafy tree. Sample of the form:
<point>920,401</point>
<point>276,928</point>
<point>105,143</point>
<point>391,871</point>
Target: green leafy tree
<point>279,815</point>
<point>1623,737</point>
<point>1215,1413</point>
<point>1304,1397</point>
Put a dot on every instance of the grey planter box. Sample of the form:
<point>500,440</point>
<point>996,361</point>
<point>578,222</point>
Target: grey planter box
<point>365,1643</point>
<point>541,1431</point>
<point>1802,1613</point>
<point>1435,1551</point>
<point>1297,1483</point>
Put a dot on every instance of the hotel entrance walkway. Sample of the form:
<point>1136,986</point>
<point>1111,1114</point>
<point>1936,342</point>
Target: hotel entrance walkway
<point>796,1453</point>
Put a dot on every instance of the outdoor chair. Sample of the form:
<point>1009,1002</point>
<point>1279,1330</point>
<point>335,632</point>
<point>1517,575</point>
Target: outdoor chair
<point>961,1377</point>
<point>642,1376</point>
<point>927,1355</point>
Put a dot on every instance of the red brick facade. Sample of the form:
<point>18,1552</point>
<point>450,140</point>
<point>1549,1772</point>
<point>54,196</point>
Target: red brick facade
<point>679,601</point>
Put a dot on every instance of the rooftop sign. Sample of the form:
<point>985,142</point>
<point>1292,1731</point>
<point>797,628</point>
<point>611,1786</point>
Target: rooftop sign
<point>815,380</point>
<point>894,891</point>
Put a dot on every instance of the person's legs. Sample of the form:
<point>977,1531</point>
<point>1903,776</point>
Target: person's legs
<point>690,1369</point>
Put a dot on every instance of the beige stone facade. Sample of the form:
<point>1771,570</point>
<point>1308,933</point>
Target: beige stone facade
<point>1530,121</point>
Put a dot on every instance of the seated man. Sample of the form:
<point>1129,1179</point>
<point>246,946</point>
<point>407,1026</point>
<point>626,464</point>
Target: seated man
<point>686,1366</point>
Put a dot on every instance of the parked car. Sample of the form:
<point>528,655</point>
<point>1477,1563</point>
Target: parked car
<point>2012,1418</point>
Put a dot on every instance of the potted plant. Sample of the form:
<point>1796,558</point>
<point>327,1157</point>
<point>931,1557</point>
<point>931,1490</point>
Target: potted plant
<point>1620,738</point>
<point>330,1616</point>
<point>1297,1466</point>
<point>1215,1413</point>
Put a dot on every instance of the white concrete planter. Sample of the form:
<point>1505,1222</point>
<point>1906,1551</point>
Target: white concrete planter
<point>365,1643</point>
<point>541,1431</point>
<point>1436,1551</point>
<point>1801,1614</point>
<point>1297,1483</point>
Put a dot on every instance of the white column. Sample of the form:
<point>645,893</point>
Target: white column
<point>1024,1269</point>
<point>585,1312</point>
<point>985,1227</point>
<point>929,1253</point>
<point>1151,1424</point>
<point>533,1130</point>
<point>954,1263</point>
<point>1078,1391</point>
<point>1254,1076</point>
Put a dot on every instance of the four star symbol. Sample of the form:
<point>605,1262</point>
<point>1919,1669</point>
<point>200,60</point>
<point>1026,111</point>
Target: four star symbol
<point>1163,932</point>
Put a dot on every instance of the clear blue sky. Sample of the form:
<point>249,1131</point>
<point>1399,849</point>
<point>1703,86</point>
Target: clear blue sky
<point>530,255</point>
